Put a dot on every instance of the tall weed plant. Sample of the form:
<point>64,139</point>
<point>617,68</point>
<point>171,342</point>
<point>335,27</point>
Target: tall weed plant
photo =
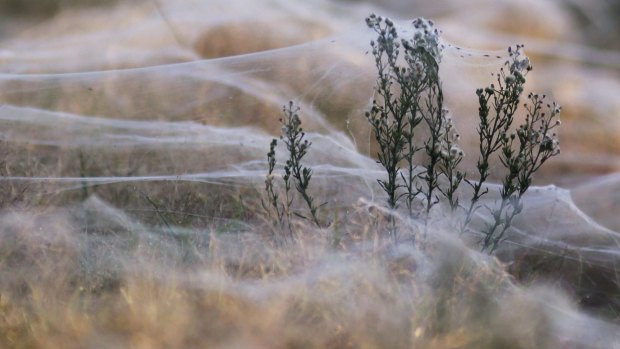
<point>409,121</point>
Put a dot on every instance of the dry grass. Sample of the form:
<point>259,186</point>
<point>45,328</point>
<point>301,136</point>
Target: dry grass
<point>195,264</point>
<point>62,286</point>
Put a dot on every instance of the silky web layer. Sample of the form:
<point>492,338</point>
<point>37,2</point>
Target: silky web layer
<point>146,119</point>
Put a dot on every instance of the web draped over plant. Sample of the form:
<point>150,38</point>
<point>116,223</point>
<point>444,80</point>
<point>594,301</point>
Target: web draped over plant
<point>409,94</point>
<point>129,160</point>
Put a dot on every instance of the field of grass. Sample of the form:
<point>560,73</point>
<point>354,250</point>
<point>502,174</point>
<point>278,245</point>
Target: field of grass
<point>133,160</point>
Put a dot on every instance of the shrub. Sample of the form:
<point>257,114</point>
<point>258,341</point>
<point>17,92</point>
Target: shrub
<point>411,95</point>
<point>297,146</point>
<point>409,103</point>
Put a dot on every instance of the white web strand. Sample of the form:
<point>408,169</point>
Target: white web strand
<point>122,102</point>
